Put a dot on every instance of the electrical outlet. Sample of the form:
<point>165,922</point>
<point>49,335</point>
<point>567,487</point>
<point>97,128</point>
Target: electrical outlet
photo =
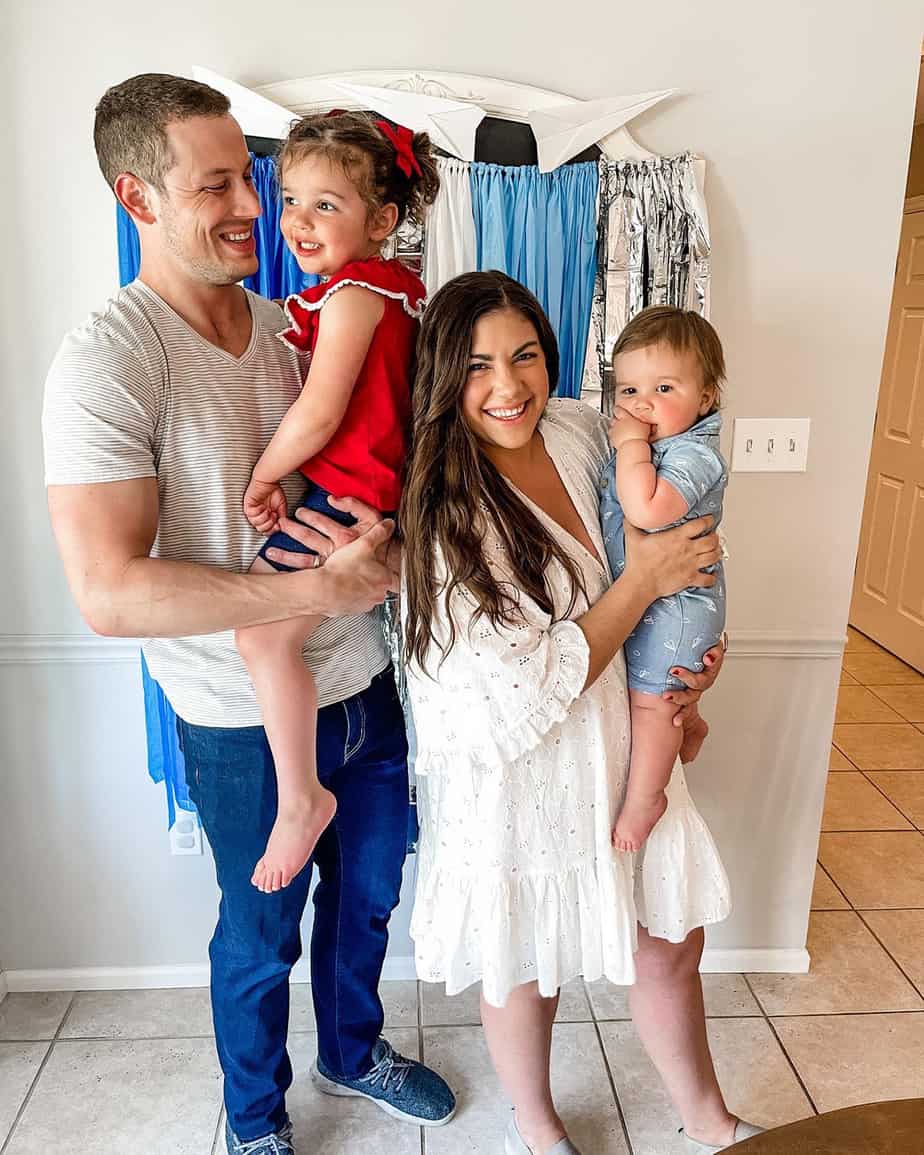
<point>185,834</point>
<point>770,444</point>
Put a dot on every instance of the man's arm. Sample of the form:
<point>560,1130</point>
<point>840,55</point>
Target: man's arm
<point>105,533</point>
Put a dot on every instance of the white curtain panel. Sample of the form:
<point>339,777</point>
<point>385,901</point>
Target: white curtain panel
<point>449,247</point>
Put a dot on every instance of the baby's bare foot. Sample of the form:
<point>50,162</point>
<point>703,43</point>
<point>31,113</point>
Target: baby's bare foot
<point>298,826</point>
<point>637,819</point>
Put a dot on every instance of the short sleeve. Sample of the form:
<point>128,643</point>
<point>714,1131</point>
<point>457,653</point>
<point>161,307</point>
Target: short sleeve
<point>100,412</point>
<point>500,691</point>
<point>693,469</point>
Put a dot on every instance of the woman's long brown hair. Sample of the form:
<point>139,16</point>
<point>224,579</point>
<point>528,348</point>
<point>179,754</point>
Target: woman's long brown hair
<point>452,487</point>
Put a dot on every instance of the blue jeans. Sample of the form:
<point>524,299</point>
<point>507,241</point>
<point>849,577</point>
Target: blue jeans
<point>362,758</point>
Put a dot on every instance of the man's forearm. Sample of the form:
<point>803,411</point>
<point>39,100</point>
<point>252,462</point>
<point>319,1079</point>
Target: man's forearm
<point>157,598</point>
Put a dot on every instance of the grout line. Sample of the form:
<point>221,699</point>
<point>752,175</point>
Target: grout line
<point>873,829</point>
<point>914,985</point>
<point>423,1057</point>
<point>891,801</point>
<point>38,1074</point>
<point>873,690</point>
<point>218,1130</point>
<point>612,1081</point>
<point>779,1042</point>
<point>844,1014</point>
<point>830,878</point>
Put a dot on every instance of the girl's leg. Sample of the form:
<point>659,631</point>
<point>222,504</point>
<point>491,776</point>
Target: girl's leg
<point>286,692</point>
<point>667,1007</point>
<point>519,1038</point>
<point>655,744</point>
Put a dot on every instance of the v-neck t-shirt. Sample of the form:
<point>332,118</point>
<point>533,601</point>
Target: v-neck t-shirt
<point>135,392</point>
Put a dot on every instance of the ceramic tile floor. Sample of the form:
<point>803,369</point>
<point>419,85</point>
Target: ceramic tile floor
<point>107,1073</point>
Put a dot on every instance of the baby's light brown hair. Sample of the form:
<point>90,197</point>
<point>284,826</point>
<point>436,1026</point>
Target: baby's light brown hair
<point>680,330</point>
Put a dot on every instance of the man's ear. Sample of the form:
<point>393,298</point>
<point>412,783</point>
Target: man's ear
<point>136,197</point>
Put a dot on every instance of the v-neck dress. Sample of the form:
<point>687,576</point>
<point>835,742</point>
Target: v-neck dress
<point>521,774</point>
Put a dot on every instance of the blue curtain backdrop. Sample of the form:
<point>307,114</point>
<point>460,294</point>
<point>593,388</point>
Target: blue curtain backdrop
<point>541,229</point>
<point>278,276</point>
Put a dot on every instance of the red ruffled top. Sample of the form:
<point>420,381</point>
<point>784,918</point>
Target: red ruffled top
<point>365,457</point>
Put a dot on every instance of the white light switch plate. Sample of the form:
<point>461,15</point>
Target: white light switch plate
<point>770,444</point>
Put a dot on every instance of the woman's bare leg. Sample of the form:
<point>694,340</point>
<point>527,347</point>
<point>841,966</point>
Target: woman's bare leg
<point>519,1037</point>
<point>667,1007</point>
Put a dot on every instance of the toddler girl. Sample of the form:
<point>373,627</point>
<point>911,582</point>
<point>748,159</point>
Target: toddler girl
<point>348,181</point>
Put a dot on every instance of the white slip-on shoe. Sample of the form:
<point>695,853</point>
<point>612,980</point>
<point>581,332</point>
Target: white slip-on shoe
<point>742,1131</point>
<point>514,1145</point>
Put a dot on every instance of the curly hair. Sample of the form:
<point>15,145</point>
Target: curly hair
<point>354,141</point>
<point>452,486</point>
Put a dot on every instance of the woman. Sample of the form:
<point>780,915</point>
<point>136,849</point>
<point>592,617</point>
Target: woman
<point>514,637</point>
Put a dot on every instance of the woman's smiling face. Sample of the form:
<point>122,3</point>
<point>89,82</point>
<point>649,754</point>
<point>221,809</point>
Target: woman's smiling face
<point>508,385</point>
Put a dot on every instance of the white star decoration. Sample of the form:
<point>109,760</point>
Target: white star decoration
<point>561,131</point>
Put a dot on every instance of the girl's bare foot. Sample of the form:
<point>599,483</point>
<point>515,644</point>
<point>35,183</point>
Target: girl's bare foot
<point>637,819</point>
<point>299,824</point>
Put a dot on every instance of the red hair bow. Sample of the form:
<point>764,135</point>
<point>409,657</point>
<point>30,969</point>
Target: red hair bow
<point>402,140</point>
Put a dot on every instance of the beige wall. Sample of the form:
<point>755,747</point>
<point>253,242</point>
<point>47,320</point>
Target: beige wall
<point>802,277</point>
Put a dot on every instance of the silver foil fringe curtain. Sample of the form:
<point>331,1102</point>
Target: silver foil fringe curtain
<point>652,249</point>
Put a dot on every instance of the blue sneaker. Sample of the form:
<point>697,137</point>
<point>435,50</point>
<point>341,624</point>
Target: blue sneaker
<point>402,1087</point>
<point>278,1144</point>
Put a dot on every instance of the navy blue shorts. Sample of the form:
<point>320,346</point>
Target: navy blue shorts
<point>314,498</point>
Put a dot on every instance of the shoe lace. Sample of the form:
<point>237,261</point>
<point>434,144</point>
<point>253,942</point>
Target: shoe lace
<point>278,1144</point>
<point>390,1066</point>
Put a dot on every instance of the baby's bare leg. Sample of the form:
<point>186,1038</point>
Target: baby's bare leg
<point>655,743</point>
<point>288,698</point>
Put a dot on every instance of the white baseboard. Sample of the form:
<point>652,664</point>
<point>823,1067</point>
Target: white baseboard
<point>730,961</point>
<point>152,978</point>
<point>747,961</point>
<point>4,988</point>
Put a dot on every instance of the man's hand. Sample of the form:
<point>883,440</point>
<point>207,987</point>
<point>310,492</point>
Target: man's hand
<point>322,534</point>
<point>361,562</point>
<point>264,505</point>
<point>626,427</point>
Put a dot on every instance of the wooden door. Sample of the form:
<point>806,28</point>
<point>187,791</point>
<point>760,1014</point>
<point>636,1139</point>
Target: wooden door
<point>888,591</point>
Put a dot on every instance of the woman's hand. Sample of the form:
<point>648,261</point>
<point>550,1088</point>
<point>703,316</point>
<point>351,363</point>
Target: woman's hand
<point>672,559</point>
<point>625,426</point>
<point>695,728</point>
<point>264,505</point>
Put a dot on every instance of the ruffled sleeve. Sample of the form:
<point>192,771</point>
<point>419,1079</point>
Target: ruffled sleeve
<point>500,691</point>
<point>391,279</point>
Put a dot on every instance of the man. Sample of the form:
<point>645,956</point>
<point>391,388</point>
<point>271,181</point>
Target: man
<point>155,411</point>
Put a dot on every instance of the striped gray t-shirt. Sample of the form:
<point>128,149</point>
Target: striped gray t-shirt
<point>135,392</point>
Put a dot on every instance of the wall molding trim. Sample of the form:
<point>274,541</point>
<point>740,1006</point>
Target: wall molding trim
<point>4,988</point>
<point>90,649</point>
<point>401,968</point>
<point>780,644</point>
<point>66,649</point>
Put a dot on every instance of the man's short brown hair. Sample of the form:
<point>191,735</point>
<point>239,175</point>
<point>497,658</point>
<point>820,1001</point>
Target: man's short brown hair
<point>680,330</point>
<point>130,131</point>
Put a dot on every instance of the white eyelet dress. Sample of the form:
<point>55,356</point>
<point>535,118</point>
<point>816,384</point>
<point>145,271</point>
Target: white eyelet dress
<point>520,778</point>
